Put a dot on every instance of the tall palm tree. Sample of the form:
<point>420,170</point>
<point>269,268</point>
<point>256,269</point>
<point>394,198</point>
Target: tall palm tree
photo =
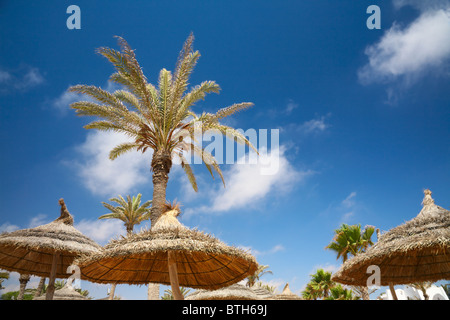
<point>157,117</point>
<point>351,240</point>
<point>23,280</point>
<point>131,212</point>
<point>321,283</point>
<point>262,270</point>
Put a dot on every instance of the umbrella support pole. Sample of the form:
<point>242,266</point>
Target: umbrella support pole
<point>173,275</point>
<point>52,278</point>
<point>391,287</point>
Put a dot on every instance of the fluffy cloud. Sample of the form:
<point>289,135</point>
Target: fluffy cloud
<point>411,51</point>
<point>22,79</point>
<point>251,180</point>
<point>101,231</point>
<point>105,177</point>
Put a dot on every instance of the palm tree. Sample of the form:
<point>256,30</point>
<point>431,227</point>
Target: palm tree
<point>168,295</point>
<point>23,280</point>
<point>351,240</point>
<point>40,287</point>
<point>266,286</point>
<point>422,286</point>
<point>310,293</point>
<point>339,293</point>
<point>3,276</point>
<point>262,270</point>
<point>157,117</point>
<point>131,212</point>
<point>321,283</point>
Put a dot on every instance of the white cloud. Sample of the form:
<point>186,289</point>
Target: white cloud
<point>22,79</point>
<point>348,207</point>
<point>101,231</point>
<point>4,76</point>
<point>62,103</point>
<point>8,227</point>
<point>291,106</point>
<point>32,78</point>
<point>246,182</point>
<point>105,177</point>
<point>274,249</point>
<point>314,125</point>
<point>407,53</point>
<point>350,200</point>
<point>38,220</point>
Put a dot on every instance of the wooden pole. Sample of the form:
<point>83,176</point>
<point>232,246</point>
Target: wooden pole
<point>52,278</point>
<point>173,275</point>
<point>394,295</point>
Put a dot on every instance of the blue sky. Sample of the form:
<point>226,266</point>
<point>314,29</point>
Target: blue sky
<point>363,117</point>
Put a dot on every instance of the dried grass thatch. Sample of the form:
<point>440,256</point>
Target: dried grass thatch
<point>262,293</point>
<point>286,294</point>
<point>30,251</point>
<point>234,292</point>
<point>65,293</point>
<point>202,261</point>
<point>418,250</point>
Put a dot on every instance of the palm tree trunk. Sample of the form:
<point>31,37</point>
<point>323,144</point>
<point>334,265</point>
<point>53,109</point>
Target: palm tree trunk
<point>112,291</point>
<point>161,165</point>
<point>365,293</point>
<point>173,275</point>
<point>23,280</point>
<point>40,287</point>
<point>394,295</point>
<point>153,291</point>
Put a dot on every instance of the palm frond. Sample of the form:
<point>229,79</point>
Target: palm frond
<point>122,148</point>
<point>188,170</point>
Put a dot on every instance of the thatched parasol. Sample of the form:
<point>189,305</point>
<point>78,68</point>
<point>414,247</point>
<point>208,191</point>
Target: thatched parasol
<point>286,294</point>
<point>416,251</point>
<point>234,292</point>
<point>168,252</point>
<point>46,250</point>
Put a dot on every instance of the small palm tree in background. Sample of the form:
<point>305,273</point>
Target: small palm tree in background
<point>131,212</point>
<point>339,293</point>
<point>310,293</point>
<point>262,270</point>
<point>321,283</point>
<point>168,295</point>
<point>351,240</point>
<point>3,276</point>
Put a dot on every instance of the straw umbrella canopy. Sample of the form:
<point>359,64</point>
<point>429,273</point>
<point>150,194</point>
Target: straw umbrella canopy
<point>234,292</point>
<point>286,294</point>
<point>416,251</point>
<point>47,250</point>
<point>169,253</point>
